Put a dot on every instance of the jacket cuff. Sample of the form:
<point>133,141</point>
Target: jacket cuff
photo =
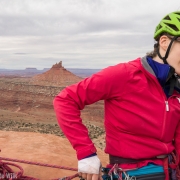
<point>85,152</point>
<point>94,154</point>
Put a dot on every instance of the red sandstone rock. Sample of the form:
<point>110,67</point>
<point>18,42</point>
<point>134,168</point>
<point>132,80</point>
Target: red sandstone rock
<point>43,148</point>
<point>34,96</point>
<point>56,76</point>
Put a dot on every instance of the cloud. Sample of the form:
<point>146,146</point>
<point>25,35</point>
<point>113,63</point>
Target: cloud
<point>81,33</point>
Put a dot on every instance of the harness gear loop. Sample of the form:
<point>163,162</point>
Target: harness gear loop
<point>117,173</point>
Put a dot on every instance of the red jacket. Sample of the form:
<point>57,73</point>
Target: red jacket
<point>140,121</point>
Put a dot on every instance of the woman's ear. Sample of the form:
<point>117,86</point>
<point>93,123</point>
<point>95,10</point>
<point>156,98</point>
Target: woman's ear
<point>164,42</point>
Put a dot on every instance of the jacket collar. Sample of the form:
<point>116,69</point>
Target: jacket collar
<point>148,68</point>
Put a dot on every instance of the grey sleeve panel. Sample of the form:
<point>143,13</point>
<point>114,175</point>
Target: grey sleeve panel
<point>147,66</point>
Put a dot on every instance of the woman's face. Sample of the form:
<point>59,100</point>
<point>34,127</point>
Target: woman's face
<point>174,56</point>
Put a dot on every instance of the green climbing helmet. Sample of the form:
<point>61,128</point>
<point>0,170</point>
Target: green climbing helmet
<point>169,24</point>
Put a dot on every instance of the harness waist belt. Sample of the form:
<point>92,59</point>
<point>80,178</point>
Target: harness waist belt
<point>120,160</point>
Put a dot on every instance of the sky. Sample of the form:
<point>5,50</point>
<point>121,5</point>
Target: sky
<point>83,34</point>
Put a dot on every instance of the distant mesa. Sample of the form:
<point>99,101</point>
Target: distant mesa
<point>46,69</point>
<point>31,69</point>
<point>56,76</point>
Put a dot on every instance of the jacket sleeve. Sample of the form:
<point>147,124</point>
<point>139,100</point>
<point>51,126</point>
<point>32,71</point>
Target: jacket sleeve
<point>105,84</point>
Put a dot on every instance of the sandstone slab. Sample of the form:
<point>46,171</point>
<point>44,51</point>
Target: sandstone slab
<point>42,148</point>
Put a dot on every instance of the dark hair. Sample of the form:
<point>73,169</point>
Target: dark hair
<point>153,53</point>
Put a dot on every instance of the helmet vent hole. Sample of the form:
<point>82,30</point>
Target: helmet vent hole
<point>178,13</point>
<point>172,26</point>
<point>159,27</point>
<point>167,18</point>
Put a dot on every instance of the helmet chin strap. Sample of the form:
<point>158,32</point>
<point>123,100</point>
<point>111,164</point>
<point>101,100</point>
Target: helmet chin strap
<point>171,76</point>
<point>168,50</point>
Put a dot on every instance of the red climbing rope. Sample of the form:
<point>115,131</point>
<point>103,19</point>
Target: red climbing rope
<point>6,171</point>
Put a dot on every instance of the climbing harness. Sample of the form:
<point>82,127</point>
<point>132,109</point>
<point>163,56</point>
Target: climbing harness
<point>170,166</point>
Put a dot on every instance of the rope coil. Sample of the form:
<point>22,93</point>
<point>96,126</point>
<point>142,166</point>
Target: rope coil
<point>8,173</point>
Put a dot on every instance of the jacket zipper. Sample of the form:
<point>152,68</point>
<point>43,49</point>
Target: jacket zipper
<point>164,119</point>
<point>178,99</point>
<point>167,109</point>
<point>167,105</point>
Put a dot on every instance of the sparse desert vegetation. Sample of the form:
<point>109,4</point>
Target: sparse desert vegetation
<point>95,133</point>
